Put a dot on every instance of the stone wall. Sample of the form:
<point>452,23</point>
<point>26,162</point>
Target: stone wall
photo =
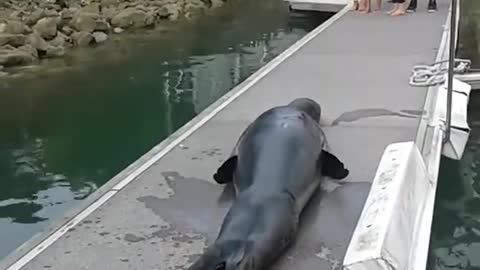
<point>35,29</point>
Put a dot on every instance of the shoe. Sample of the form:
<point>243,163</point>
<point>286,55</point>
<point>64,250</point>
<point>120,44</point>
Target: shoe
<point>432,7</point>
<point>412,7</point>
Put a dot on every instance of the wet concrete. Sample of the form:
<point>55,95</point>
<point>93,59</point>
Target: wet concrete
<point>167,216</point>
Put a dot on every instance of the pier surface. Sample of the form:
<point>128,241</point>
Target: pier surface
<point>357,68</point>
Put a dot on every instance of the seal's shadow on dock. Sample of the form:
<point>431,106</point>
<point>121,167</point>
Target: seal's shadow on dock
<point>355,115</point>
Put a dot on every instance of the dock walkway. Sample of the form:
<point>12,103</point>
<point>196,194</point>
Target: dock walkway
<point>357,68</point>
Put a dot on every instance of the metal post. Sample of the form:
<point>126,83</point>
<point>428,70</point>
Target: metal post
<point>451,64</point>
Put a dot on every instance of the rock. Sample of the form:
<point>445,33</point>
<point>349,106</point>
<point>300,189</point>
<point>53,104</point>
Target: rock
<point>109,13</point>
<point>126,5</point>
<point>57,8</point>
<point>89,22</point>
<point>173,11</point>
<point>141,7</point>
<point>12,57</point>
<point>17,15</point>
<point>67,30</point>
<point>132,17</point>
<point>35,17</point>
<point>3,74</point>
<point>1,68</point>
<point>162,13</point>
<point>16,28</point>
<point>149,20</point>
<point>91,8</point>
<point>158,3</point>
<point>4,5</point>
<point>68,14</point>
<point>46,27</point>
<point>30,50</point>
<point>100,37</point>
<point>194,7</point>
<point>7,48</point>
<point>82,38</point>
<point>3,27</point>
<point>217,3</point>
<point>50,13</point>
<point>117,30</point>
<point>13,40</point>
<point>39,14</point>
<point>55,51</point>
<point>102,25</point>
<point>59,40</point>
<point>85,22</point>
<point>107,3</point>
<point>37,42</point>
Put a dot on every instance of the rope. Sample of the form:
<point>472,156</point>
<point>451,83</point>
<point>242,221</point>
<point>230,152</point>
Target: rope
<point>434,74</point>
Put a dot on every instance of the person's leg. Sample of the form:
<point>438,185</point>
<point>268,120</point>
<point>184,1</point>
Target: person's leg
<point>377,5</point>
<point>432,5</point>
<point>365,8</point>
<point>406,4</point>
<point>361,5</point>
<point>400,9</point>
<point>355,5</point>
<point>413,6</point>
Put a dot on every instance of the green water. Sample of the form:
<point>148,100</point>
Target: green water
<point>69,127</point>
<point>455,240</point>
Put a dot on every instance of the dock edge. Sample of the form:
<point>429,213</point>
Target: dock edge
<point>390,246</point>
<point>42,240</point>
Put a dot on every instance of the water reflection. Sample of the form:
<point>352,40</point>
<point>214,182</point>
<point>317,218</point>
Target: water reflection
<point>68,129</point>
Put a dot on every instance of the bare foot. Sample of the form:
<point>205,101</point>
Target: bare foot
<point>364,6</point>
<point>364,10</point>
<point>393,10</point>
<point>399,12</point>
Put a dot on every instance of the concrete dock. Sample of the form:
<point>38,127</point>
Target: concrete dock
<point>165,208</point>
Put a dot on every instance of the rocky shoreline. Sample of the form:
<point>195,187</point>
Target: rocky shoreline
<point>32,30</point>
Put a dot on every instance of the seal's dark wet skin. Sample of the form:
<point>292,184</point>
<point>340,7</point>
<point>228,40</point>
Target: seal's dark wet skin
<point>274,170</point>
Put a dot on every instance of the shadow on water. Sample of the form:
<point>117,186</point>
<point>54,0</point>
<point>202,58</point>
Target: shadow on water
<point>73,124</point>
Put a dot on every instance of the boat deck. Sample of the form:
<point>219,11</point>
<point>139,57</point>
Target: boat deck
<point>165,208</point>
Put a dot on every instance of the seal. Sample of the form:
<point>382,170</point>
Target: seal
<point>275,168</point>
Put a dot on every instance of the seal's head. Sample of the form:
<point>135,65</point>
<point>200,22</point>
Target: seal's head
<point>229,255</point>
<point>308,106</point>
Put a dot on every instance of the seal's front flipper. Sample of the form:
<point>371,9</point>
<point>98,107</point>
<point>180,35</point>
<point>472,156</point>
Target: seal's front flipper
<point>225,172</point>
<point>332,166</point>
